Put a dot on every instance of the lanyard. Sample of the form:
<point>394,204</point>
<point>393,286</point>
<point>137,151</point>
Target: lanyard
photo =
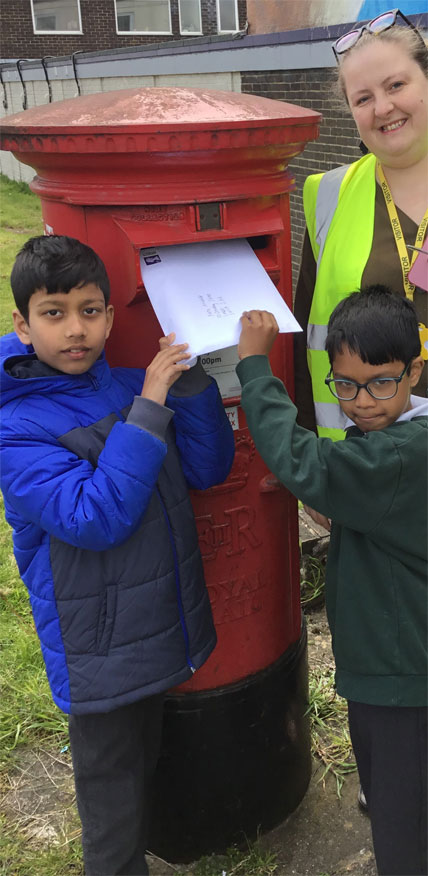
<point>406,263</point>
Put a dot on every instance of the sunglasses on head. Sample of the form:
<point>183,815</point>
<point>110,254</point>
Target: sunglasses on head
<point>376,25</point>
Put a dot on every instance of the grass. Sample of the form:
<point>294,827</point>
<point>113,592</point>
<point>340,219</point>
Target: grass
<point>28,717</point>
<point>21,218</point>
<point>252,862</point>
<point>27,712</point>
<point>19,858</point>
<point>29,721</point>
<point>331,742</point>
<point>312,583</point>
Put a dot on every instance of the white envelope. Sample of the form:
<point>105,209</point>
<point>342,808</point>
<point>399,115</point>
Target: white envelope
<point>200,290</point>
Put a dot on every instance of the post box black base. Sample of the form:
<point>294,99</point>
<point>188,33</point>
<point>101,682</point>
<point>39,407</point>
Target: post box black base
<point>234,760</point>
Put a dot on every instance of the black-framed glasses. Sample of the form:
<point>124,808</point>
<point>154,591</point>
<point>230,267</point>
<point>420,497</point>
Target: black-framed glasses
<point>376,25</point>
<point>380,388</point>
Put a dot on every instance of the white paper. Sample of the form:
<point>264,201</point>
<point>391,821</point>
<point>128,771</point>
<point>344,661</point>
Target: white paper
<point>200,290</point>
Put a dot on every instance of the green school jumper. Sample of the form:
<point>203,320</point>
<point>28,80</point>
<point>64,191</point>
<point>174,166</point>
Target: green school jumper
<point>374,487</point>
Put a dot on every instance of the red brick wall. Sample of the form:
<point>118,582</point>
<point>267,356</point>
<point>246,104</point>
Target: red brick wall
<point>338,141</point>
<point>98,25</point>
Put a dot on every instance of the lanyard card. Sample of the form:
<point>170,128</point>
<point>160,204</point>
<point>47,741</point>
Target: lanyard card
<point>418,274</point>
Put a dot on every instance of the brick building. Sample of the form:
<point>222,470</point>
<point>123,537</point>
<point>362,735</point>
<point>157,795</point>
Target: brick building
<point>296,66</point>
<point>40,28</point>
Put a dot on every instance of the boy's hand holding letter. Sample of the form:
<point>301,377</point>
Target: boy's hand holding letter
<point>258,332</point>
<point>199,290</point>
<point>165,369</point>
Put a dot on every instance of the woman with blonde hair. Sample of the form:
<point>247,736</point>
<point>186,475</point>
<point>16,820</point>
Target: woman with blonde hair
<point>366,223</point>
<point>364,220</point>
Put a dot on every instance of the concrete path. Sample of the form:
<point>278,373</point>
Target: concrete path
<point>326,834</point>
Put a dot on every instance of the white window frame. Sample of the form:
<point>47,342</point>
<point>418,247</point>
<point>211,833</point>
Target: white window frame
<point>192,32</point>
<point>58,32</point>
<point>144,32</point>
<point>236,18</point>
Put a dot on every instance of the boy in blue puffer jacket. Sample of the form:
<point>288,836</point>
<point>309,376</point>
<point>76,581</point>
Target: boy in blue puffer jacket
<point>96,465</point>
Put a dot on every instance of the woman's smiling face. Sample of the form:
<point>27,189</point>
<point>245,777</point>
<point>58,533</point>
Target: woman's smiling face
<point>387,93</point>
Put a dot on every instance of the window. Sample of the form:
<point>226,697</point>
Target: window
<point>125,22</point>
<point>143,16</point>
<point>45,22</point>
<point>190,16</point>
<point>227,16</point>
<point>56,16</point>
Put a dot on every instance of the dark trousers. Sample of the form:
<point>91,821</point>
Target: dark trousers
<point>390,746</point>
<point>114,758</point>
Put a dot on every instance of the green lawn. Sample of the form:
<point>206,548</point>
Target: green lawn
<point>20,218</point>
<point>26,710</point>
<point>28,717</point>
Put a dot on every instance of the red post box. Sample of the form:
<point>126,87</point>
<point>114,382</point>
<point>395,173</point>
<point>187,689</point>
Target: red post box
<point>131,169</point>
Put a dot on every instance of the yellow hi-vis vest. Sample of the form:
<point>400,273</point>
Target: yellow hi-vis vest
<point>339,209</point>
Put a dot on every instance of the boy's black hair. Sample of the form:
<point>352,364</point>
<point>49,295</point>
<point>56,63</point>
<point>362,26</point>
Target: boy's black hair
<point>56,263</point>
<point>377,324</point>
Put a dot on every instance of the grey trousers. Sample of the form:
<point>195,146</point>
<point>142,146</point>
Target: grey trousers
<point>114,757</point>
<point>390,745</point>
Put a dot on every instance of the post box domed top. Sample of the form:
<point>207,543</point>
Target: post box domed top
<point>145,144</point>
<point>156,110</point>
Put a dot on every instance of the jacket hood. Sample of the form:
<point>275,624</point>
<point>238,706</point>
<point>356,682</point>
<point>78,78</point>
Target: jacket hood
<point>10,345</point>
<point>419,408</point>
<point>22,375</point>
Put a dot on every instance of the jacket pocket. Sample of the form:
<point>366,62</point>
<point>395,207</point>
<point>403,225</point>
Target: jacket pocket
<point>106,619</point>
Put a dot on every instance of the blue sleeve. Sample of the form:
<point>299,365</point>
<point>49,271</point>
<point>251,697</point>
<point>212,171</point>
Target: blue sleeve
<point>93,509</point>
<point>204,437</point>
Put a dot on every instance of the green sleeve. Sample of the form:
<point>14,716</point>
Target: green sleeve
<point>352,481</point>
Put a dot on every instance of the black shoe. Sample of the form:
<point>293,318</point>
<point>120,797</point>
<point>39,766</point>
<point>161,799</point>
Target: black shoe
<point>362,802</point>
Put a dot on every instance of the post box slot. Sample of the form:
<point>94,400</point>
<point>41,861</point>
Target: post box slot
<point>265,247</point>
<point>259,242</point>
<point>142,231</point>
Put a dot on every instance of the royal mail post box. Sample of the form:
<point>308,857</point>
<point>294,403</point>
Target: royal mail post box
<point>146,167</point>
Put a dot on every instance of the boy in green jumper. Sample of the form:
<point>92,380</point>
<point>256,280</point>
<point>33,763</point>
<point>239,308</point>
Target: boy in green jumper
<point>373,486</point>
